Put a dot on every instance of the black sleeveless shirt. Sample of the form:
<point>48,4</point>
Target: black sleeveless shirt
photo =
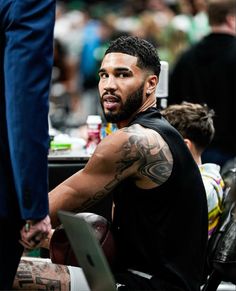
<point>163,231</point>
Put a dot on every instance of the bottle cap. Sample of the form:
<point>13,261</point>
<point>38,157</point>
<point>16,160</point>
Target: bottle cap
<point>94,119</point>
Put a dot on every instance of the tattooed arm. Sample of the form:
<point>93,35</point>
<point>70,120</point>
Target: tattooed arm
<point>41,274</point>
<point>133,151</point>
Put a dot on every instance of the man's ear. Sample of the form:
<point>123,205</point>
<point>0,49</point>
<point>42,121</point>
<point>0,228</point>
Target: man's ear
<point>151,84</point>
<point>231,22</point>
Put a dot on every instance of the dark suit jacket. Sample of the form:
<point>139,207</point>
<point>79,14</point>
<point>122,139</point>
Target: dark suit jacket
<point>26,32</point>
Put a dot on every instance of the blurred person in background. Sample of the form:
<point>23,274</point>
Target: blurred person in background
<point>191,19</point>
<point>189,25</point>
<point>95,38</point>
<point>206,73</point>
<point>26,53</point>
<point>63,85</point>
<point>195,123</point>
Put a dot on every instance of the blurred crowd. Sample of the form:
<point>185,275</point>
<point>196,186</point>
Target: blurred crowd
<point>83,30</point>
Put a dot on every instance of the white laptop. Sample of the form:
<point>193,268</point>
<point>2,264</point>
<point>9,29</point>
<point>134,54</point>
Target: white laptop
<point>88,252</point>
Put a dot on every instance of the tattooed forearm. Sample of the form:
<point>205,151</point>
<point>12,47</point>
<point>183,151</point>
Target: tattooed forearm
<point>93,200</point>
<point>99,195</point>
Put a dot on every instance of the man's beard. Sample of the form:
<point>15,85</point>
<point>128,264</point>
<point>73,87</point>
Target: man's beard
<point>131,105</point>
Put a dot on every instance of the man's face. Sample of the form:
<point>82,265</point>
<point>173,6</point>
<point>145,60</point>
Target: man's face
<point>121,86</point>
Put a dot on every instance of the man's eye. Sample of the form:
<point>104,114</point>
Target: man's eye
<point>103,75</point>
<point>123,75</point>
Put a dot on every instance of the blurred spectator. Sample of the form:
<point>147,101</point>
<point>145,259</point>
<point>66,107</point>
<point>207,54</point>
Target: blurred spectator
<point>96,36</point>
<point>206,74</point>
<point>189,25</point>
<point>63,86</point>
<point>163,13</point>
<point>192,19</point>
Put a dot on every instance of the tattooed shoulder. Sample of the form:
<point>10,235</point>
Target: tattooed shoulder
<point>150,152</point>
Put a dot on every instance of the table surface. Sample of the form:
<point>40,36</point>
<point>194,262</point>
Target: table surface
<point>68,156</point>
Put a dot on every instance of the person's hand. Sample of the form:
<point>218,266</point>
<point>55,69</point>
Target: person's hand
<point>34,233</point>
<point>46,242</point>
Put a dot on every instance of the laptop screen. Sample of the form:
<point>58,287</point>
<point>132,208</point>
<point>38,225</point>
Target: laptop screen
<point>88,252</point>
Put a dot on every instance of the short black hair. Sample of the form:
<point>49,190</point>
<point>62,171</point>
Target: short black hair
<point>145,52</point>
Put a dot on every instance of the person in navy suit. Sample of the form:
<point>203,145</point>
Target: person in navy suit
<point>26,56</point>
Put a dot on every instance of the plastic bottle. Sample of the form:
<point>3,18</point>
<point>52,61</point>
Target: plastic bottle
<point>94,123</point>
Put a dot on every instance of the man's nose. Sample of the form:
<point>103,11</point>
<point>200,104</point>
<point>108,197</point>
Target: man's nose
<point>110,83</point>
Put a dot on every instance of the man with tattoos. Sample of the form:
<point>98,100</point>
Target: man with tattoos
<point>146,166</point>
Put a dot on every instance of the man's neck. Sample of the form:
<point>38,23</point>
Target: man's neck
<point>224,28</point>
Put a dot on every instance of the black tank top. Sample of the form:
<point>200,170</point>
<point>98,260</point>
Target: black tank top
<point>163,231</point>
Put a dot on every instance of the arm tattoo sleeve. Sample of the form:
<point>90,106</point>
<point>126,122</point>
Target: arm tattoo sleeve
<point>152,160</point>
